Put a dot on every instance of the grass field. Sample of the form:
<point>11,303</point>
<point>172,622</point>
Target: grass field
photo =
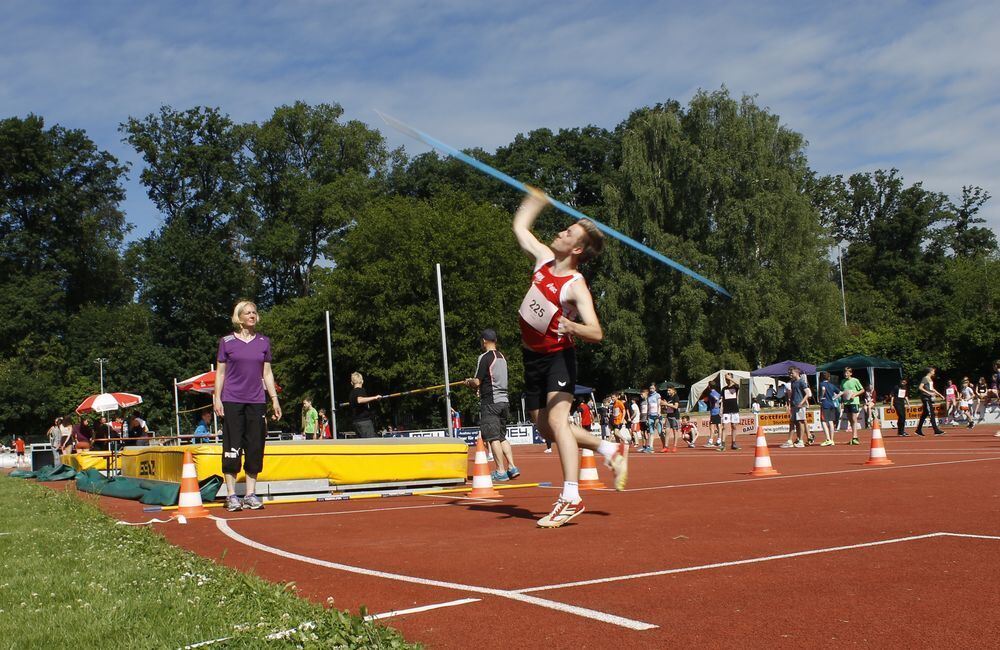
<point>70,577</point>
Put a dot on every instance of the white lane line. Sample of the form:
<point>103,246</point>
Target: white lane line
<point>613,619</point>
<point>970,536</point>
<point>337,512</point>
<point>868,470</point>
<point>754,560</point>
<point>416,610</point>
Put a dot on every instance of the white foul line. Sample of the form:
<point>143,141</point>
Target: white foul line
<point>613,619</point>
<point>754,560</point>
<point>416,610</point>
<point>869,470</point>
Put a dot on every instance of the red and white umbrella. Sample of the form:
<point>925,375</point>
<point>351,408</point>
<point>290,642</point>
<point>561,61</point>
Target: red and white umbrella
<point>203,383</point>
<point>108,402</point>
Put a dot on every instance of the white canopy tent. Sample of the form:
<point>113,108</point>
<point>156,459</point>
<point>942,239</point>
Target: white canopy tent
<point>750,387</point>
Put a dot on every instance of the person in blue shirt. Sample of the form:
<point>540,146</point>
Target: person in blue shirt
<point>204,428</point>
<point>829,402</point>
<point>714,401</point>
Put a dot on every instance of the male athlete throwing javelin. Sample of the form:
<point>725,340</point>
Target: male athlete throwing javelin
<point>557,307</point>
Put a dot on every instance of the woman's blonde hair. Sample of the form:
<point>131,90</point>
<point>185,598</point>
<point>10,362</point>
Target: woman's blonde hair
<point>238,309</point>
<point>357,379</point>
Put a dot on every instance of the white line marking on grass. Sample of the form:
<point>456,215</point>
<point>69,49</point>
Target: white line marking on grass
<point>417,610</point>
<point>223,526</point>
<point>753,479</point>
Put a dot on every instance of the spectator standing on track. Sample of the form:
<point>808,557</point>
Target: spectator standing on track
<point>557,307</point>
<point>850,401</point>
<point>633,423</point>
<point>966,397</point>
<point>361,410</point>
<point>604,414</point>
<point>828,394</point>
<point>324,425</point>
<point>982,398</point>
<point>310,420</point>
<point>241,379</point>
<point>900,402</point>
<point>655,419</point>
<point>798,399</point>
<point>713,400</point>
<point>869,405</point>
<point>586,416</point>
<point>671,409</point>
<point>730,412</point>
<point>927,393</point>
<point>951,401</point>
<point>647,436</point>
<point>490,382</point>
<point>618,420</point>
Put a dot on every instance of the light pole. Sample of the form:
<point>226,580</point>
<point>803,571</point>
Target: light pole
<point>843,296</point>
<point>101,361</point>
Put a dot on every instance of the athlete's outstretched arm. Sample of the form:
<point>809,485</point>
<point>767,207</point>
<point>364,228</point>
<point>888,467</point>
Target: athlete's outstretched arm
<point>590,329</point>
<point>532,205</point>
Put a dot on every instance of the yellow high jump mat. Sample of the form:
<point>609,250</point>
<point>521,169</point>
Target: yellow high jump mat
<point>342,462</point>
<point>84,460</point>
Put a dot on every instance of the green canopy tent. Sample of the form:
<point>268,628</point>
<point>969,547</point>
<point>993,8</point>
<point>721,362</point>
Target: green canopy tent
<point>871,364</point>
<point>669,384</point>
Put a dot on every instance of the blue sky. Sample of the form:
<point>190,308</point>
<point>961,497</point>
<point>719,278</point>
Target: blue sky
<point>912,85</point>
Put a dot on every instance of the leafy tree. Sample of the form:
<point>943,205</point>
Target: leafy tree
<point>190,271</point>
<point>718,186</point>
<point>308,176</point>
<point>384,308</point>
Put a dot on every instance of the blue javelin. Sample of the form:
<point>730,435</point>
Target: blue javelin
<point>573,212</point>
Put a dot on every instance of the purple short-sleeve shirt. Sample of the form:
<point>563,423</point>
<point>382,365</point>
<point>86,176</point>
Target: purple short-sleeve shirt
<point>244,380</point>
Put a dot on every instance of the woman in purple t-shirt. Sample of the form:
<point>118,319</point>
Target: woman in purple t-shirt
<point>243,374</point>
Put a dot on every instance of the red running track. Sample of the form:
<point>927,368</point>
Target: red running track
<point>708,532</point>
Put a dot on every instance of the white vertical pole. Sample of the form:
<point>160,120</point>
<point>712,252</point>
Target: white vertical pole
<point>444,354</point>
<point>843,296</point>
<point>177,408</point>
<point>329,366</point>
<point>215,416</point>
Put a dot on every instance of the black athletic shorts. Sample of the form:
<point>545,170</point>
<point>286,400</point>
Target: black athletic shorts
<point>493,421</point>
<point>715,419</point>
<point>851,409</point>
<point>243,430</point>
<point>548,373</point>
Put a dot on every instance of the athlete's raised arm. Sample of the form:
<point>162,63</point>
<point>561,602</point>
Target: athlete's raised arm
<point>532,205</point>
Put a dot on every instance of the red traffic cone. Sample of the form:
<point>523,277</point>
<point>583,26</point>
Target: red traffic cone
<point>762,458</point>
<point>877,454</point>
<point>482,482</point>
<point>589,479</point>
<point>189,502</point>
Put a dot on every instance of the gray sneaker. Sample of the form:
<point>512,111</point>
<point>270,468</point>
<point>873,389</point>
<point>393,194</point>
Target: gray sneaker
<point>252,502</point>
<point>233,503</point>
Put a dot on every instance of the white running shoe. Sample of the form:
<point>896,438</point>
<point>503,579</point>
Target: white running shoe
<point>800,445</point>
<point>548,451</point>
<point>619,467</point>
<point>562,512</point>
<point>788,444</point>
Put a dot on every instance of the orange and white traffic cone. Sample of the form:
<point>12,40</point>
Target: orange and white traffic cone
<point>482,482</point>
<point>589,479</point>
<point>877,454</point>
<point>761,457</point>
<point>189,503</point>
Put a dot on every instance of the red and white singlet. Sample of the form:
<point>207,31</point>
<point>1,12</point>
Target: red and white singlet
<point>542,307</point>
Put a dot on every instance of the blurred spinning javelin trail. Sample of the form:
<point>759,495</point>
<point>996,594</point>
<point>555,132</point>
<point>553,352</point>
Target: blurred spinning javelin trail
<point>513,182</point>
